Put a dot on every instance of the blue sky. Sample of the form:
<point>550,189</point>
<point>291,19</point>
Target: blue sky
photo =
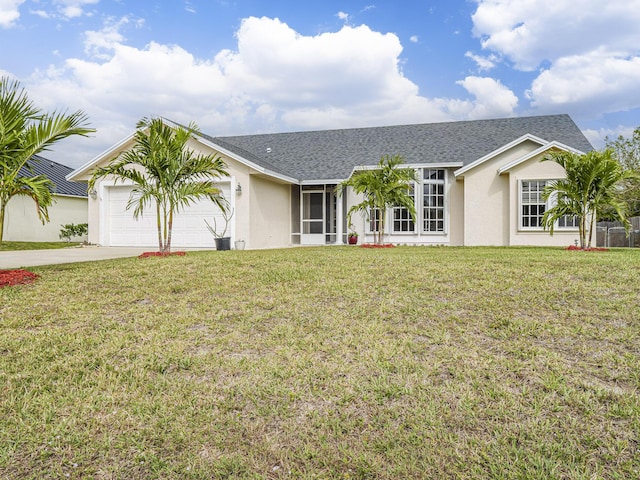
<point>249,66</point>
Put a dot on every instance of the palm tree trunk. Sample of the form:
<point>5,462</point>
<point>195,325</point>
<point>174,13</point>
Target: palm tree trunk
<point>168,243</point>
<point>2,208</point>
<point>160,247</point>
<point>591,222</point>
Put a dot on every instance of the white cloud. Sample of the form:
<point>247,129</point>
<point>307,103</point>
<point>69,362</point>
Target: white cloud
<point>529,32</point>
<point>414,39</point>
<point>484,63</point>
<point>41,14</point>
<point>598,137</point>
<point>276,80</point>
<point>589,50</point>
<point>73,8</point>
<point>595,82</point>
<point>492,98</point>
<point>100,44</point>
<point>9,12</point>
<point>343,16</point>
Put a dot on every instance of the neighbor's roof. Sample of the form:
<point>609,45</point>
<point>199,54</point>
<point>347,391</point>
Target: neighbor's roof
<point>333,154</point>
<point>56,172</point>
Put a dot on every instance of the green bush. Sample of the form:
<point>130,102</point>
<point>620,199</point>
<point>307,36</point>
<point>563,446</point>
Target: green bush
<point>72,230</point>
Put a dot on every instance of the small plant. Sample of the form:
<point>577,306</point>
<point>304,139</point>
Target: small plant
<point>226,216</point>
<point>72,230</point>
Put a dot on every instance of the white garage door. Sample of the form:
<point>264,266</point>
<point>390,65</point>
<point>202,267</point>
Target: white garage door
<point>189,228</point>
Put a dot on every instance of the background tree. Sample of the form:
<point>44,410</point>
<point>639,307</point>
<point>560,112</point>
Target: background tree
<point>165,173</point>
<point>627,152</point>
<point>383,187</point>
<point>592,183</point>
<point>26,131</point>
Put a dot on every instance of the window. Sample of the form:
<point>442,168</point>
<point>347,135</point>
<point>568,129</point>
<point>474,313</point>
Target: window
<point>532,207</point>
<point>402,221</point>
<point>374,219</point>
<point>433,182</point>
<point>569,221</point>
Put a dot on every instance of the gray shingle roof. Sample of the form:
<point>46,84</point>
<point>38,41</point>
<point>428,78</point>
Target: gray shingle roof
<point>332,154</point>
<point>56,172</point>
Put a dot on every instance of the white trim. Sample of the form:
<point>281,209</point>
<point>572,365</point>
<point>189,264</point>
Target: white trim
<point>320,182</point>
<point>66,195</point>
<point>536,152</point>
<point>504,148</point>
<point>414,166</point>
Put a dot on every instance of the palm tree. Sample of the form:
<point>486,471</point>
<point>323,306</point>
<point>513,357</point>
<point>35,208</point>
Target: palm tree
<point>591,184</point>
<point>165,172</point>
<point>383,187</point>
<point>26,131</point>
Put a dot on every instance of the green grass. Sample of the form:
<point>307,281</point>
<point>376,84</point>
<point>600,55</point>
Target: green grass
<point>411,362</point>
<point>6,246</point>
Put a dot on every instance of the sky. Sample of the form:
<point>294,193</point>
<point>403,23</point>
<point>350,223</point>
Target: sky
<point>263,66</point>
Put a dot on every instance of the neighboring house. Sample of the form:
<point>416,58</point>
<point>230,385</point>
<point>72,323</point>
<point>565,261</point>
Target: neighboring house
<point>21,223</point>
<point>479,183</point>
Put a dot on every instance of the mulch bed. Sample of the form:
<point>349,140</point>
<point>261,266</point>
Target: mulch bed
<point>161,254</point>
<point>9,278</point>
<point>592,249</point>
<point>375,245</point>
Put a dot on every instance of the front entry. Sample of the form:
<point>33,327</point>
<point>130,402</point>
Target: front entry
<point>318,215</point>
<point>313,214</point>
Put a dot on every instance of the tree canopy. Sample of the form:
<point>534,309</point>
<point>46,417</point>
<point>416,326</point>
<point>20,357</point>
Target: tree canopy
<point>385,186</point>
<point>166,173</point>
<point>627,152</point>
<point>25,131</point>
<point>591,184</point>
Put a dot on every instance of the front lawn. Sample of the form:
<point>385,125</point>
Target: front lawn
<point>458,363</point>
<point>6,246</point>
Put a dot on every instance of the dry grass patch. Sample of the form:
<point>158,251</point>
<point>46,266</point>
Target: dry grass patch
<point>325,363</point>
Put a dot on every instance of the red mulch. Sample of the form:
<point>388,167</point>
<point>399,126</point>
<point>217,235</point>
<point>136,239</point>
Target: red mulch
<point>9,278</point>
<point>592,249</point>
<point>161,254</point>
<point>375,245</point>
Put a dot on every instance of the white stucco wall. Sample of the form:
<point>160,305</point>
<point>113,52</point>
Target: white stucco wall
<point>270,214</point>
<point>23,225</point>
<point>487,199</point>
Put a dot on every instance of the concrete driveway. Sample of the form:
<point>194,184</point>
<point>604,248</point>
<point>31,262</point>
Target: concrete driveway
<point>32,258</point>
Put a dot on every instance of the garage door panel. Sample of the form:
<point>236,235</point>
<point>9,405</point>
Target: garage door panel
<point>189,228</point>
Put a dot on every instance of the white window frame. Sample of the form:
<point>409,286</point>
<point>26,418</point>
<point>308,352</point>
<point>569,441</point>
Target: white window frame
<point>548,204</point>
<point>422,217</point>
<point>404,211</point>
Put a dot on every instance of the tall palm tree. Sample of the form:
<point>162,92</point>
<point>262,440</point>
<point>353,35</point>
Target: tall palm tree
<point>383,187</point>
<point>165,173</point>
<point>591,184</point>
<point>26,131</point>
